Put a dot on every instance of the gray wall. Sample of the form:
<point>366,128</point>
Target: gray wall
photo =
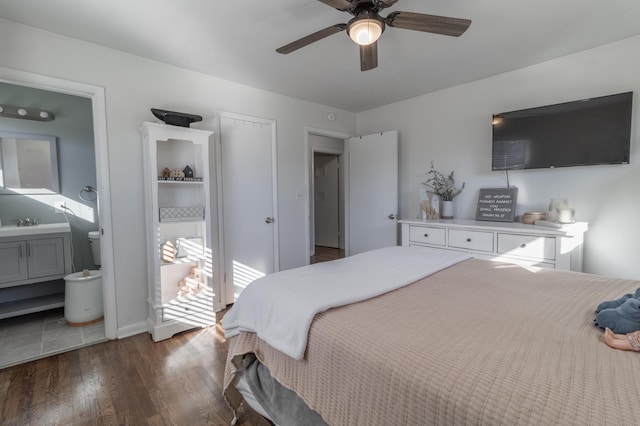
<point>73,128</point>
<point>452,127</point>
<point>132,85</point>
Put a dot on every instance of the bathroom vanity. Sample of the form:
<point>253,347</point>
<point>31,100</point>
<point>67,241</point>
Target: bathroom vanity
<point>33,262</point>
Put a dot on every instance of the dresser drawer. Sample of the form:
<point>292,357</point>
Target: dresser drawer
<point>427,235</point>
<point>190,305</point>
<point>471,240</point>
<point>527,246</point>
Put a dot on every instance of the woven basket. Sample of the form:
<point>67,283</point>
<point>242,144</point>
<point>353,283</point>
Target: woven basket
<point>530,217</point>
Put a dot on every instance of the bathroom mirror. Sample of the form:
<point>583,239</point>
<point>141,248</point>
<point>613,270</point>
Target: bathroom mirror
<point>28,163</point>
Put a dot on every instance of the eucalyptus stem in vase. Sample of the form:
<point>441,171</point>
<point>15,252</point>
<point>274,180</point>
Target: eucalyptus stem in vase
<point>444,187</point>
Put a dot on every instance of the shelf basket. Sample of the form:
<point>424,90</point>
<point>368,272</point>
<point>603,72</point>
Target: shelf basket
<point>180,214</point>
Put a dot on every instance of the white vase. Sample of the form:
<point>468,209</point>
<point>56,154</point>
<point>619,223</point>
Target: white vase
<point>446,209</point>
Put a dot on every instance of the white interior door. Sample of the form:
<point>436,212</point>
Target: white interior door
<point>247,148</point>
<point>372,192</point>
<point>327,200</point>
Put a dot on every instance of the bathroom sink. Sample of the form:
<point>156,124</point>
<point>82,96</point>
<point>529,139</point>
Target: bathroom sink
<point>43,228</point>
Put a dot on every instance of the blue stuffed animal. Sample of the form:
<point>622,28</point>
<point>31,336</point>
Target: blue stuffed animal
<point>622,315</point>
<point>608,304</point>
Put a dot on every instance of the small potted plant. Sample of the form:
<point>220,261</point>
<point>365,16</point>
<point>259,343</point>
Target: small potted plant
<point>444,187</point>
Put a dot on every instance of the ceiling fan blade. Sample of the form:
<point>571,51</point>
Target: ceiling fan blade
<point>339,4</point>
<point>428,23</point>
<point>369,57</point>
<point>305,41</point>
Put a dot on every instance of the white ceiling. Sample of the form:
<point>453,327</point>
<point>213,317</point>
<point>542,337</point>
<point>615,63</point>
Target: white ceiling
<point>236,40</point>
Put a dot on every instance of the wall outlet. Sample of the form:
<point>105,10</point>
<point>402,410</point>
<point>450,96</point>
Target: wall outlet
<point>59,207</point>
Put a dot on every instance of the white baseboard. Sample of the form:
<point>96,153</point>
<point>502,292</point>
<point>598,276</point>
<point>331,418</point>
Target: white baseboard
<point>132,330</point>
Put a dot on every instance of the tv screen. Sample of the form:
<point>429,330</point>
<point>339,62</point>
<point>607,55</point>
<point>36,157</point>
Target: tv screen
<point>579,133</point>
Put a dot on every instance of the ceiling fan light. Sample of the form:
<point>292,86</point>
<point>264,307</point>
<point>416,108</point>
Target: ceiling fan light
<point>365,31</point>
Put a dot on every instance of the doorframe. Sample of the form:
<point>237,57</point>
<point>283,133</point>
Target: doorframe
<point>101,146</point>
<point>309,169</point>
<point>220,199</point>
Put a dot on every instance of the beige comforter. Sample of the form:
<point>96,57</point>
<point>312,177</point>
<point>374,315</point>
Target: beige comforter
<point>478,343</point>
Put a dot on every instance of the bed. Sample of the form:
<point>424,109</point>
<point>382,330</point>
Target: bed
<point>473,342</point>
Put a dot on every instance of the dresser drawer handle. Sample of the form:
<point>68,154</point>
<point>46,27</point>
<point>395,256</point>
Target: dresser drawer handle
<point>468,240</point>
<point>523,245</point>
<point>426,235</point>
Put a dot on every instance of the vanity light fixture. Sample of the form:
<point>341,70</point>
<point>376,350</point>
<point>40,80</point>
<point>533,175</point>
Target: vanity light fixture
<point>11,111</point>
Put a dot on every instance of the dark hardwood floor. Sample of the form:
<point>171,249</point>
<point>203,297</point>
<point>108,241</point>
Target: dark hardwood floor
<point>132,381</point>
<point>323,254</point>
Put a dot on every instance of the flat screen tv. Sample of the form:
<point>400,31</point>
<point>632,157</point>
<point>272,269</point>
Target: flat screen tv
<point>579,133</point>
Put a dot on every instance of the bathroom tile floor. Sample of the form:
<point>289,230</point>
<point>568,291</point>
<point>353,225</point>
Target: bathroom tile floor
<point>29,337</point>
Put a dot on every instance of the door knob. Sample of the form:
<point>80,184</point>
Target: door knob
<point>269,220</point>
<point>393,216</point>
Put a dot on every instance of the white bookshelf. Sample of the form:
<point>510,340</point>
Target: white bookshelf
<point>177,210</point>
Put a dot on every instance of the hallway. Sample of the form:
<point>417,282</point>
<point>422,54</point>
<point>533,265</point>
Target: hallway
<point>324,254</point>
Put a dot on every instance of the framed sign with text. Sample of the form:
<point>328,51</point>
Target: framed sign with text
<point>497,204</point>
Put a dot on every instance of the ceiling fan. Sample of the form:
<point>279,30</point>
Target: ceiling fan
<point>367,25</point>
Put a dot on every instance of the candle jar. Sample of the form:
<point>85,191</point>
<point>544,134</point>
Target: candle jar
<point>554,205</point>
<point>565,215</point>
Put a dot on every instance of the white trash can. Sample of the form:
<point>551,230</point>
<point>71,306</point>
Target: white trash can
<point>83,298</point>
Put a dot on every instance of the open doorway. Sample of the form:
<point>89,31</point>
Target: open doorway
<point>369,161</point>
<point>327,197</point>
<point>328,208</point>
<point>82,163</point>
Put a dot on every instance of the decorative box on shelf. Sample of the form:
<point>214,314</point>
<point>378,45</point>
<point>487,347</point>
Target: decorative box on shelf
<point>179,214</point>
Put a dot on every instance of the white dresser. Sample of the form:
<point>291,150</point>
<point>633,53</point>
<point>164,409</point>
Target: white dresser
<point>513,242</point>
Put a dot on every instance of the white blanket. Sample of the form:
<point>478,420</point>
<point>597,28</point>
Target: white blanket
<point>280,307</point>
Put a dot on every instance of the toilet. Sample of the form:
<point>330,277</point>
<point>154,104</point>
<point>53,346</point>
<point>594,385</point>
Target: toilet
<point>94,242</point>
<point>83,302</point>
